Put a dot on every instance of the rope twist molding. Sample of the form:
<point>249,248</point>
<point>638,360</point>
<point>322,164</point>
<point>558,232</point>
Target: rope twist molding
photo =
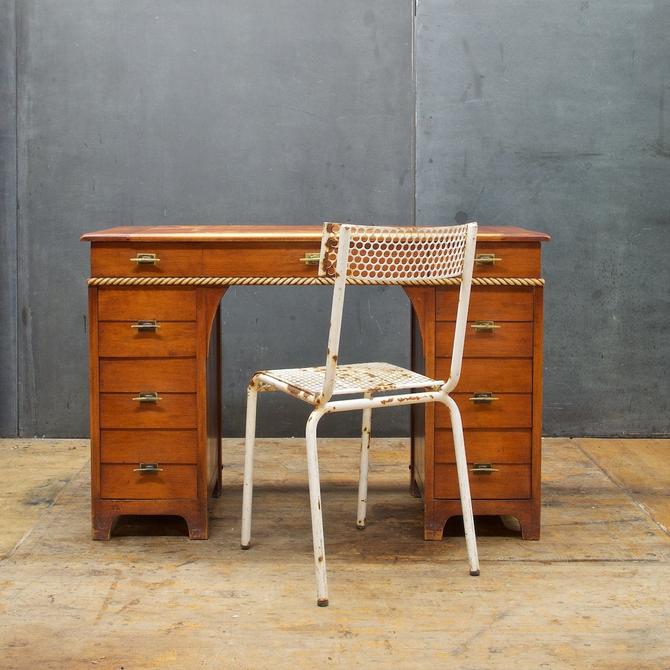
<point>301,281</point>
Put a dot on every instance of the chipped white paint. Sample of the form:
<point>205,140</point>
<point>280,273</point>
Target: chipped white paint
<point>371,254</point>
<point>364,466</point>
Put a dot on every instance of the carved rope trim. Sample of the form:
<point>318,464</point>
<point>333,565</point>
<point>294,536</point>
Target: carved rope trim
<point>300,281</point>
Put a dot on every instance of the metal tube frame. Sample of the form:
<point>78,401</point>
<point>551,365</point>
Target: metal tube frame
<point>323,405</point>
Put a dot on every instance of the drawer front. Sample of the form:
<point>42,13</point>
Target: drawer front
<point>507,260</point>
<point>115,260</point>
<point>149,446</point>
<point>504,340</point>
<point>120,339</point>
<point>511,375</point>
<point>509,482</point>
<point>119,481</point>
<point>276,259</point>
<point>488,303</point>
<point>132,304</point>
<point>486,446</point>
<point>173,410</point>
<point>171,375</point>
<point>511,410</point>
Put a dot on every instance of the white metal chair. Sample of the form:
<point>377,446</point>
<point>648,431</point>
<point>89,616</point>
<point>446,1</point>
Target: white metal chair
<point>372,255</point>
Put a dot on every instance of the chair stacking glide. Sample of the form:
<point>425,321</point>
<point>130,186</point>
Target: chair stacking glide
<point>372,255</point>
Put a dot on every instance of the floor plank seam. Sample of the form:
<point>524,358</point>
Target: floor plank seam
<point>623,488</point>
<point>45,511</point>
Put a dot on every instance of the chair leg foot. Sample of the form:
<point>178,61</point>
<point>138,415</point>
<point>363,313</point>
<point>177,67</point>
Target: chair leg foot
<point>245,546</point>
<point>315,507</point>
<point>360,525</point>
<point>248,486</point>
<point>474,573</point>
<point>463,484</point>
<point>322,602</point>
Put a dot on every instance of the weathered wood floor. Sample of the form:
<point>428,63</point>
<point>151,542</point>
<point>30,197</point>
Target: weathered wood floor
<point>593,593</point>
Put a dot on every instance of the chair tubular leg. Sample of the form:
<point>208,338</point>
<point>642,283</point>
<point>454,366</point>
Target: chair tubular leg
<point>315,506</point>
<point>464,485</point>
<point>247,491</point>
<point>364,467</point>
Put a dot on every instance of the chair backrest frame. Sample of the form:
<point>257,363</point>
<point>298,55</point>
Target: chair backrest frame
<point>456,259</point>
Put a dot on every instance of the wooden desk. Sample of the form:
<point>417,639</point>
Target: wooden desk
<point>154,297</point>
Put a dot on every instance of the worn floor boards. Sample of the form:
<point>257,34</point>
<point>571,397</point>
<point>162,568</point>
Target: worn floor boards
<point>591,594</point>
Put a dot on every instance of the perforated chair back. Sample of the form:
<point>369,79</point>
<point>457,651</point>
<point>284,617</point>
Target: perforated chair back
<point>389,255</point>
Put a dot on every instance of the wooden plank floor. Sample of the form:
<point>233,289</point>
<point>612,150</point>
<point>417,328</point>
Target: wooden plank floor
<point>591,594</point>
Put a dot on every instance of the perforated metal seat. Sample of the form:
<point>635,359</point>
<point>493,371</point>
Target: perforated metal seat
<point>370,378</point>
<point>372,255</point>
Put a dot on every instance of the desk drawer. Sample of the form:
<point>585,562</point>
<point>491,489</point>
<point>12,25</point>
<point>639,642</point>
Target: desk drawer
<point>119,339</point>
<point>271,259</point>
<point>143,302</point>
<point>152,260</point>
<point>149,446</point>
<point>173,410</point>
<point>507,260</point>
<point>174,481</point>
<point>510,410</point>
<point>171,375</point>
<point>502,375</point>
<point>487,303</point>
<point>508,482</point>
<point>486,446</point>
<point>490,339</point>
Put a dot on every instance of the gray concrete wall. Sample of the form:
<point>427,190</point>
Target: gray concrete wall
<point>542,114</point>
<point>556,116</point>
<point>199,112</point>
<point>8,213</point>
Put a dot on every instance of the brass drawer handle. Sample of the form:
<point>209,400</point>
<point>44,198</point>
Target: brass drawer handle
<point>484,326</point>
<point>482,397</point>
<point>483,469</point>
<point>148,468</point>
<point>146,325</point>
<point>145,259</point>
<point>311,258</point>
<point>147,396</point>
<point>487,259</point>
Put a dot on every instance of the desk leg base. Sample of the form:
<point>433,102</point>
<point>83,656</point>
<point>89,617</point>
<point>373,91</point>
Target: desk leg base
<point>197,526</point>
<point>106,514</point>
<point>102,525</point>
<point>526,512</point>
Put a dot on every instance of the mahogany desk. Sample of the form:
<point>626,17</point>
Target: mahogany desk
<point>154,297</point>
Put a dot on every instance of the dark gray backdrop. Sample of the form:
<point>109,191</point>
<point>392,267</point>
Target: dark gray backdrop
<point>165,111</point>
<point>556,116</point>
<point>541,114</point>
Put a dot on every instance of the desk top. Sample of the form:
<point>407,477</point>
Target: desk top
<point>269,233</point>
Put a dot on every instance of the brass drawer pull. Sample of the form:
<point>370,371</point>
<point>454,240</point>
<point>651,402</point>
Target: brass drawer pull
<point>311,258</point>
<point>484,326</point>
<point>148,468</point>
<point>483,397</point>
<point>147,396</point>
<point>145,259</point>
<point>483,469</point>
<point>487,259</point>
<point>145,326</point>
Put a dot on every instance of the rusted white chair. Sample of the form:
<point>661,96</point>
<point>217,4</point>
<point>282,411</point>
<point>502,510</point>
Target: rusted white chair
<point>372,255</point>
